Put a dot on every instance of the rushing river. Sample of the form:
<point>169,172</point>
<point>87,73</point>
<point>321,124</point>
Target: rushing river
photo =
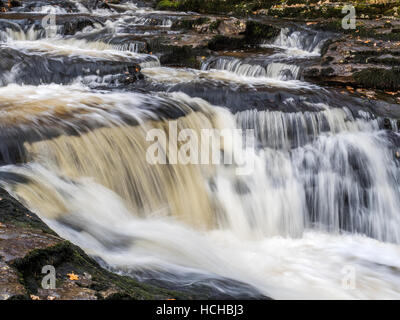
<point>322,201</point>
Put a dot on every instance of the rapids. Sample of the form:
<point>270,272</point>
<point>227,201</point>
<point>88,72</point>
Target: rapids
<point>323,196</point>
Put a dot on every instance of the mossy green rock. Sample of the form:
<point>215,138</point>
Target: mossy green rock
<point>256,32</point>
<point>239,7</point>
<point>181,57</point>
<point>386,79</point>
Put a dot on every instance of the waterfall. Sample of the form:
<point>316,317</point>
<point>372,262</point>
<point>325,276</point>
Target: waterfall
<point>298,42</point>
<point>299,153</point>
<point>10,34</point>
<point>283,71</point>
<point>70,58</point>
<point>133,47</point>
<point>90,154</point>
<point>87,170</point>
<point>279,130</point>
<point>235,66</point>
<point>323,162</point>
<point>322,191</point>
<point>274,70</point>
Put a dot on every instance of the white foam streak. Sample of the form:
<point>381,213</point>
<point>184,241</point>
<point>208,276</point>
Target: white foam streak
<point>173,76</point>
<point>74,47</point>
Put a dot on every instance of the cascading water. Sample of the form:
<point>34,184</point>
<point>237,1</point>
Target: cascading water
<point>323,192</point>
<point>344,186</point>
<point>225,206</point>
<point>35,54</point>
<point>274,70</point>
<point>298,42</point>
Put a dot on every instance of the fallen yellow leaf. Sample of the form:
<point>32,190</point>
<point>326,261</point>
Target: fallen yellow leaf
<point>33,297</point>
<point>73,276</point>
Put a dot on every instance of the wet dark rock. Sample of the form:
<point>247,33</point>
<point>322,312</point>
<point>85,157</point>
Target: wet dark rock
<point>256,32</point>
<point>387,124</point>
<point>180,53</point>
<point>10,287</point>
<point>221,42</point>
<point>378,78</point>
<point>189,23</point>
<point>182,57</point>
<point>197,38</point>
<point>366,57</point>
<point>15,3</point>
<point>132,74</point>
<point>36,69</point>
<point>95,4</point>
<point>12,212</point>
<point>227,26</point>
<point>73,26</point>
